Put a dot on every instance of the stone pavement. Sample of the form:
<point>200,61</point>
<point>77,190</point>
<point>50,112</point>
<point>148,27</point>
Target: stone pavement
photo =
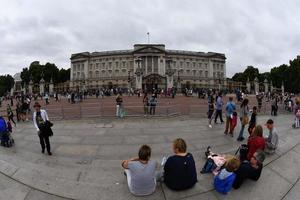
<point>88,153</point>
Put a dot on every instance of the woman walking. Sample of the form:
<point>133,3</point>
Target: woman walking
<point>146,104</point>
<point>244,118</point>
<point>10,115</point>
<point>43,127</point>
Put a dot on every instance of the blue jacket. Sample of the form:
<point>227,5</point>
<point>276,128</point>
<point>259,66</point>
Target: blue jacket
<point>225,185</point>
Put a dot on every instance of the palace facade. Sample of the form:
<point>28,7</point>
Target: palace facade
<point>147,66</point>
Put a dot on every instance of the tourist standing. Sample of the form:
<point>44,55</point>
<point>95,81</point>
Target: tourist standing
<point>152,103</point>
<point>47,98</point>
<point>219,106</point>
<point>43,127</point>
<point>211,110</point>
<point>230,109</point>
<point>18,110</point>
<point>297,114</point>
<point>274,106</point>
<point>146,104</point>
<point>119,104</point>
<point>10,114</point>
<point>252,122</point>
<point>244,118</point>
<point>259,98</point>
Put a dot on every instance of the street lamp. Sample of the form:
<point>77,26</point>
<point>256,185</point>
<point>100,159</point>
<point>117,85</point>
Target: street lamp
<point>169,71</point>
<point>129,80</point>
<point>139,71</point>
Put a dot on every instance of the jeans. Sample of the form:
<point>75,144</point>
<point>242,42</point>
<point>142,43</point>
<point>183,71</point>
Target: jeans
<point>152,110</point>
<point>219,114</point>
<point>119,112</point>
<point>274,111</point>
<point>44,141</point>
<point>242,129</point>
<point>146,110</point>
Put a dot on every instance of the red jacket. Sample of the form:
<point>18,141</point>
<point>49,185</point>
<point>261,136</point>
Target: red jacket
<point>255,143</point>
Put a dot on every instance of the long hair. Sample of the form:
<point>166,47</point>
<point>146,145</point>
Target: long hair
<point>258,131</point>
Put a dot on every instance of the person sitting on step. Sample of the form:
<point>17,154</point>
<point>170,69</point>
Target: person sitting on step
<point>140,173</point>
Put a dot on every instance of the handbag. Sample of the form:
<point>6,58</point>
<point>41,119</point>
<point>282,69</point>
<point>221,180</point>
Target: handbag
<point>243,151</point>
<point>245,120</point>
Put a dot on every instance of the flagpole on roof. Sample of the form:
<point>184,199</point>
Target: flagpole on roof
<point>148,34</point>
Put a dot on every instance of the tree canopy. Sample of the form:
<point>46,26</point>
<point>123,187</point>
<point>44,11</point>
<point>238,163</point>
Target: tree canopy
<point>49,71</point>
<point>6,83</point>
<point>289,75</point>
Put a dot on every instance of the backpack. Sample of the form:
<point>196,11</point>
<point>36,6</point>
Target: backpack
<point>3,127</point>
<point>230,108</point>
<point>243,151</point>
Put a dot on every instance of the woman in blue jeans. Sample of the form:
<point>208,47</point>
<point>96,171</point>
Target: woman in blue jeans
<point>243,114</point>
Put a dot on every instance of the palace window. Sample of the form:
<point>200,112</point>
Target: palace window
<point>206,74</point>
<point>187,64</point>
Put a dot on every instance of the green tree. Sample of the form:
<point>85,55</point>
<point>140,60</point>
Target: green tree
<point>48,71</point>
<point>6,83</point>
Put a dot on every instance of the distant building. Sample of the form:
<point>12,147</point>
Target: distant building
<point>147,66</point>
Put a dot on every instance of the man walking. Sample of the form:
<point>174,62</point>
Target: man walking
<point>219,105</point>
<point>230,108</point>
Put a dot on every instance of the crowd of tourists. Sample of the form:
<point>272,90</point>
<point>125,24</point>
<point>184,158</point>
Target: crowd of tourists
<point>178,172</point>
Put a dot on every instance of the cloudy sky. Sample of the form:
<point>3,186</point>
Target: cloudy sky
<point>262,33</point>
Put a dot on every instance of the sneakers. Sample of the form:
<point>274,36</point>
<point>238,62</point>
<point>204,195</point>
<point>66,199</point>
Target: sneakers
<point>210,126</point>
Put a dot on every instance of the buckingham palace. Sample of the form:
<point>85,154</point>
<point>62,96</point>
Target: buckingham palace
<point>147,66</point>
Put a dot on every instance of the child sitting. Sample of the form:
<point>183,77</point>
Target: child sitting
<point>224,180</point>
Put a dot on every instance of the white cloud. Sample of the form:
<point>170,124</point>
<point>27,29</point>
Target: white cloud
<point>262,33</point>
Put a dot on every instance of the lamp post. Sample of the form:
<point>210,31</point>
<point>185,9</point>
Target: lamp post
<point>169,72</point>
<point>129,81</point>
<point>139,72</point>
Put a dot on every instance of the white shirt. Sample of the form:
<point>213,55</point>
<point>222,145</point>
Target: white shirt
<point>44,115</point>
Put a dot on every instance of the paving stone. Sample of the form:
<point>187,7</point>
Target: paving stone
<point>88,153</point>
<point>294,193</point>
<point>37,195</point>
<point>77,150</point>
<point>288,166</point>
<point>10,189</point>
